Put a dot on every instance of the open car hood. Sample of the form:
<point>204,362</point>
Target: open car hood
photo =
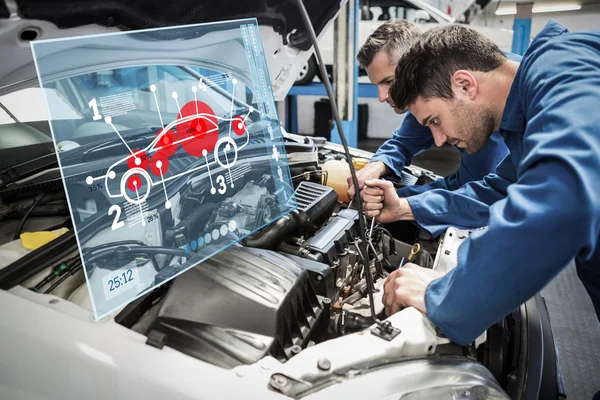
<point>286,42</point>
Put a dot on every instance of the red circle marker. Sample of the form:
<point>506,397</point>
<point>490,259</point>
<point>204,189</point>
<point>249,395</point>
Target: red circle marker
<point>134,180</point>
<point>140,155</point>
<point>159,161</point>
<point>166,143</point>
<point>238,125</point>
<point>199,133</point>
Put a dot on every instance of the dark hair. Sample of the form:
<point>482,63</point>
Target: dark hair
<point>426,69</point>
<point>393,36</point>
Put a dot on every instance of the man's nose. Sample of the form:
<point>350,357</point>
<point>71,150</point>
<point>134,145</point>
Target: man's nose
<point>383,93</point>
<point>438,137</point>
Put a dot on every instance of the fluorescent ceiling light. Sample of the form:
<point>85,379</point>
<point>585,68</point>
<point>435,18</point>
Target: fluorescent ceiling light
<point>541,8</point>
<point>556,8</point>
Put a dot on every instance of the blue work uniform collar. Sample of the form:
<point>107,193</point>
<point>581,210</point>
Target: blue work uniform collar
<point>513,118</point>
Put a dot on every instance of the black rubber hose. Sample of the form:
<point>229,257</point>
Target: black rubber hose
<point>36,201</point>
<point>269,237</point>
<point>129,252</point>
<point>52,253</point>
<point>348,322</point>
<point>121,243</point>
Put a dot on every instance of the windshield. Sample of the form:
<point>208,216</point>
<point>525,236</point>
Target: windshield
<point>122,92</point>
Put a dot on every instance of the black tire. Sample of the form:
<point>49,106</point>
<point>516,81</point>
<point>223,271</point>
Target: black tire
<point>307,73</point>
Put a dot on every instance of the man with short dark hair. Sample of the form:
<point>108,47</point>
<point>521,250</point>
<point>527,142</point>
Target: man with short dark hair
<point>543,201</point>
<point>379,56</point>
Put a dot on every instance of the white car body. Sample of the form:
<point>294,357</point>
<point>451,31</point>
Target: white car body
<point>52,346</point>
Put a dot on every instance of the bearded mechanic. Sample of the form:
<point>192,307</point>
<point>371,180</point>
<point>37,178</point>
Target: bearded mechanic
<point>379,55</point>
<point>542,202</point>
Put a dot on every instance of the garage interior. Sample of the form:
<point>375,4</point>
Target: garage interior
<point>573,319</point>
<point>283,281</point>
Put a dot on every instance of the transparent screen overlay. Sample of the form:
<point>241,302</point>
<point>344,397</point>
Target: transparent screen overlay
<point>169,147</point>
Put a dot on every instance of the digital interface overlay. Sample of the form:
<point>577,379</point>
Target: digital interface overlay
<point>169,146</point>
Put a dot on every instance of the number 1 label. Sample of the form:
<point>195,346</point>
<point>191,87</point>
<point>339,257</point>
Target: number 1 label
<point>94,106</point>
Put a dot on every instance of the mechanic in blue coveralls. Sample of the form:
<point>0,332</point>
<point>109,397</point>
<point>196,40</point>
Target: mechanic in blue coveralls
<point>379,56</point>
<point>542,202</point>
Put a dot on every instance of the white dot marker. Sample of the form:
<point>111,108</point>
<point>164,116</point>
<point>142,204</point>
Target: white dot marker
<point>223,230</point>
<point>234,81</point>
<point>89,180</point>
<point>207,238</point>
<point>138,161</point>
<point>135,183</point>
<point>112,175</point>
<point>232,226</point>
<point>174,94</point>
<point>251,109</point>
<point>240,126</point>
<point>204,152</point>
<point>153,88</point>
<point>215,234</point>
<point>168,204</point>
<point>159,164</point>
<point>194,89</point>
<point>228,147</point>
<point>213,190</point>
<point>108,119</point>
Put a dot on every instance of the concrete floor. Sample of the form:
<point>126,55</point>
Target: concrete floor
<point>574,323</point>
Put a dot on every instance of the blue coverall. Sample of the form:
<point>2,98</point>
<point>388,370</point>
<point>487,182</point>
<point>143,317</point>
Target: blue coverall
<point>412,138</point>
<point>542,204</point>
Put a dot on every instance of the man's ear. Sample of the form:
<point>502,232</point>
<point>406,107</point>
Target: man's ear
<point>464,84</point>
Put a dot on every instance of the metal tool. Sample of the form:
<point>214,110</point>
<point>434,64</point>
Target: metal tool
<point>371,230</point>
<point>414,250</point>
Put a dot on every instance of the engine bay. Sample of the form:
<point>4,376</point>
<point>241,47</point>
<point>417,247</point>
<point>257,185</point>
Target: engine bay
<point>295,283</point>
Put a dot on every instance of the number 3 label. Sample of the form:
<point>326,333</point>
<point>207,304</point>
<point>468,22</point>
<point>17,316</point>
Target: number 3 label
<point>221,181</point>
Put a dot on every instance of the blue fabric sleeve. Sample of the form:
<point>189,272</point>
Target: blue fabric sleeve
<point>466,207</point>
<point>473,167</point>
<point>552,212</point>
<point>443,183</point>
<point>407,141</point>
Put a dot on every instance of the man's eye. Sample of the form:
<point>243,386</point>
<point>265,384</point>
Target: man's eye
<point>435,121</point>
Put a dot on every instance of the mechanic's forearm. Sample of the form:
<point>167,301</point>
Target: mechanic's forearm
<point>404,212</point>
<point>378,167</point>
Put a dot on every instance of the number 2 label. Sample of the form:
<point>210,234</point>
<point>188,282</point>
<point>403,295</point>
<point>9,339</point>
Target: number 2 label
<point>116,223</point>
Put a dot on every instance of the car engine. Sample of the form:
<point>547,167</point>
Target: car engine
<point>295,282</point>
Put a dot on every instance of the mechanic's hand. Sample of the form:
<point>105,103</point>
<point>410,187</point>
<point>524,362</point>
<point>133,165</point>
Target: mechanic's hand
<point>405,287</point>
<point>373,170</point>
<point>381,201</point>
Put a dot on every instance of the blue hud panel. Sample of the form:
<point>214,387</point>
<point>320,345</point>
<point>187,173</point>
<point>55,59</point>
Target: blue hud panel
<point>169,147</point>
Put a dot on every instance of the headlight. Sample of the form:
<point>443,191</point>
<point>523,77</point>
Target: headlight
<point>456,392</point>
<point>450,378</point>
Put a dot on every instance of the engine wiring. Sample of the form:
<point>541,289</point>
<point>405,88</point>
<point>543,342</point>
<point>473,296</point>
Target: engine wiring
<point>76,266</point>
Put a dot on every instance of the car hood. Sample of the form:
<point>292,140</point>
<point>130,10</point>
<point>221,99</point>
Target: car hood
<point>286,42</point>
